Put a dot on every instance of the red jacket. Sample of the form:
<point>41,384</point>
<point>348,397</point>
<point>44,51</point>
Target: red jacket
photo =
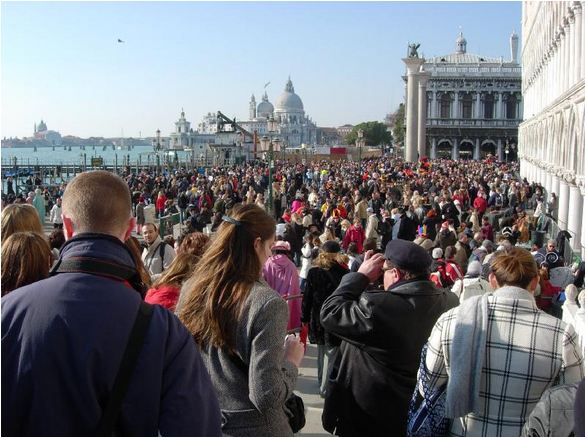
<point>480,204</point>
<point>160,203</point>
<point>165,295</point>
<point>547,292</point>
<point>355,235</point>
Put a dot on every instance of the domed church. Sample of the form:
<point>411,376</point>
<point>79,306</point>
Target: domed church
<point>294,127</point>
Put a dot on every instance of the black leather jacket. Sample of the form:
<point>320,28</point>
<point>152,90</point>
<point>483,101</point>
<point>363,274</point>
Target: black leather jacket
<point>373,377</point>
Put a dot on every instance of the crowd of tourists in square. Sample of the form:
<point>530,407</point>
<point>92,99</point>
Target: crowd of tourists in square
<point>431,290</point>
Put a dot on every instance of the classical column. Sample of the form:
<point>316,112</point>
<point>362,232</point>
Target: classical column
<point>500,152</point>
<point>496,109</point>
<point>577,31</point>
<point>571,29</point>
<point>478,105</point>
<point>456,105</point>
<point>563,59</point>
<point>581,17</point>
<point>434,105</point>
<point>476,151</point>
<point>455,150</point>
<point>575,216</point>
<point>423,78</point>
<point>412,65</point>
<point>556,185</point>
<point>434,148</point>
<point>549,184</point>
<point>563,205</point>
<point>583,223</point>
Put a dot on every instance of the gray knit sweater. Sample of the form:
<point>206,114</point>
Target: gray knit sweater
<point>252,394</point>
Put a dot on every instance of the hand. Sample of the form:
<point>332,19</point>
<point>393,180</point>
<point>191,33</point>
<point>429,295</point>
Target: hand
<point>372,265</point>
<point>294,351</point>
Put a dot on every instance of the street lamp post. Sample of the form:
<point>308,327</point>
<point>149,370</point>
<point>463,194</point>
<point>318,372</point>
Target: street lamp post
<point>360,142</point>
<point>507,150</point>
<point>239,156</point>
<point>266,143</point>
<point>157,147</point>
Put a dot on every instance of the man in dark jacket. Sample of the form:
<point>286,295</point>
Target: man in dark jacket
<point>63,338</point>
<point>373,377</point>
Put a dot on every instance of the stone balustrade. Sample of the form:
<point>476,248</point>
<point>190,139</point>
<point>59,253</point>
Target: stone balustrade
<point>469,122</point>
<point>575,315</point>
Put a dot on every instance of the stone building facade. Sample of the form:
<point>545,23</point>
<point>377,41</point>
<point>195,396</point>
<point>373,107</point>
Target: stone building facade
<point>294,126</point>
<point>552,137</point>
<point>473,104</point>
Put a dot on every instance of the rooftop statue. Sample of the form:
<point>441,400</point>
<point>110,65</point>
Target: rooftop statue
<point>413,50</point>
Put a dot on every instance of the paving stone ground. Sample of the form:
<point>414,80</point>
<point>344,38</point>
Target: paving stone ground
<point>308,389</point>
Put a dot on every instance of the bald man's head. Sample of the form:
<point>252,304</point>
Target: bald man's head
<point>98,201</point>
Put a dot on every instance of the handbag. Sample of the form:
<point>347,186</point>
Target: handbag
<point>294,408</point>
<point>426,414</point>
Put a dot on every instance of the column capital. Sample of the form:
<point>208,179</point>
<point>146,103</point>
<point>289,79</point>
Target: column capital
<point>423,78</point>
<point>413,64</point>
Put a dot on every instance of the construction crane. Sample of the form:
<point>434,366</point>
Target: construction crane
<point>222,120</point>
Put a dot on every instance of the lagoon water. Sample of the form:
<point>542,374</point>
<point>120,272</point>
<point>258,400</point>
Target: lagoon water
<point>46,156</point>
<point>26,157</point>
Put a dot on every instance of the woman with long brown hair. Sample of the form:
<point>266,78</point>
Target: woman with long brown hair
<point>26,258</point>
<point>20,217</point>
<point>240,324</point>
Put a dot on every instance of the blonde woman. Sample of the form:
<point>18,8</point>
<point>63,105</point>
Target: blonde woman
<point>240,324</point>
<point>322,280</point>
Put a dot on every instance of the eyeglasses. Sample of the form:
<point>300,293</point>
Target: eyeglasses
<point>386,268</point>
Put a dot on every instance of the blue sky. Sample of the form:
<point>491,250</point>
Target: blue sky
<point>60,60</point>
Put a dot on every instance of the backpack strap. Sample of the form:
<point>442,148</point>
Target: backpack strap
<point>100,267</point>
<point>110,414</point>
<point>161,252</point>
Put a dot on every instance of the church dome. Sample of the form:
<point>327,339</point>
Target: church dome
<point>265,108</point>
<point>460,44</point>
<point>288,101</point>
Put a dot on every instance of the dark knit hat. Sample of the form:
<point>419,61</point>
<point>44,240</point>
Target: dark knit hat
<point>407,255</point>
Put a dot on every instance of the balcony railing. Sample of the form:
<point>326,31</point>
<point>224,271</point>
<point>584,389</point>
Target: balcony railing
<point>474,71</point>
<point>465,122</point>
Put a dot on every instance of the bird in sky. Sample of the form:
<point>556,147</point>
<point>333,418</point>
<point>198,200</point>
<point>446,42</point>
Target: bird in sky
<point>119,40</point>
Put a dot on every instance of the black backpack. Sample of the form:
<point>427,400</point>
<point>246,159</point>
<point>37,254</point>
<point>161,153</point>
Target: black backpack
<point>161,252</point>
<point>182,201</point>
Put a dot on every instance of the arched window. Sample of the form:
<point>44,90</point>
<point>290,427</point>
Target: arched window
<point>488,106</point>
<point>511,107</point>
<point>445,103</point>
<point>466,106</point>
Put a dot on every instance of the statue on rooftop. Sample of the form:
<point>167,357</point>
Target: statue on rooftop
<point>413,50</point>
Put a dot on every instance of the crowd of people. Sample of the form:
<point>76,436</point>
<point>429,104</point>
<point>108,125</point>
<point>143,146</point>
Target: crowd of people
<point>411,279</point>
